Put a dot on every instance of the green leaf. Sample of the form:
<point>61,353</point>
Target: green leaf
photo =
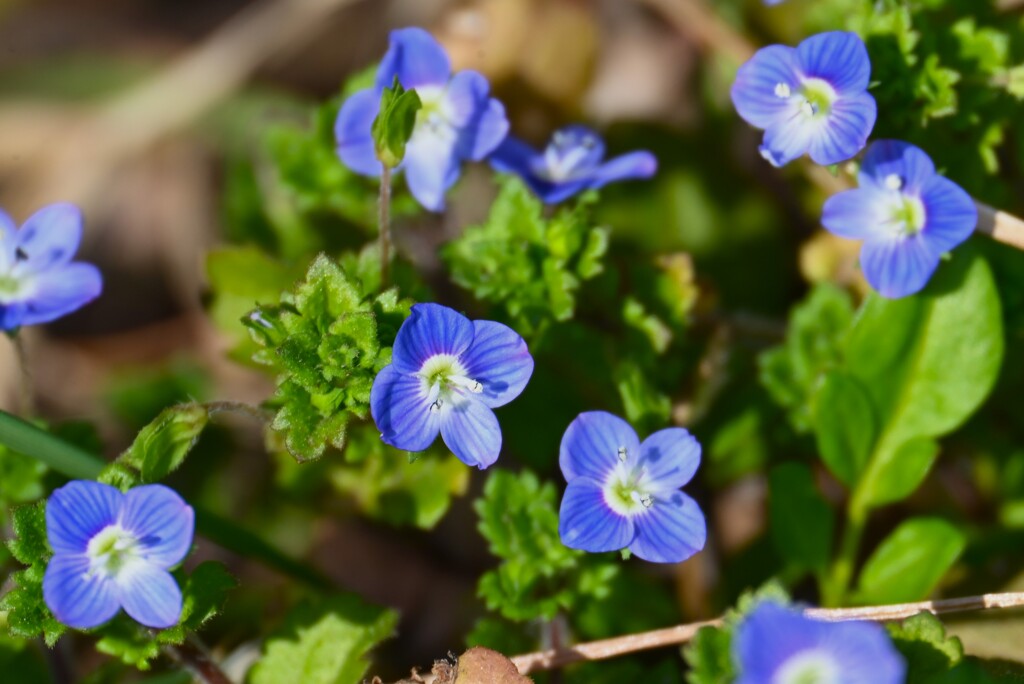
<point>324,643</point>
<point>125,640</point>
<point>909,564</point>
<point>898,477</point>
<point>802,523</point>
<point>161,447</point>
<point>928,651</point>
<point>393,126</point>
<point>27,613</point>
<point>203,597</point>
<point>645,406</point>
<point>709,656</point>
<point>844,426</point>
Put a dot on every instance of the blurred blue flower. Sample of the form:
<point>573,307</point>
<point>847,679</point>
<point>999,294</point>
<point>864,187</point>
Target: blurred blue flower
<point>779,645</point>
<point>446,375</point>
<point>624,494</point>
<point>571,163</point>
<point>38,281</point>
<point>113,551</point>
<point>907,215</point>
<point>458,121</point>
<point>809,99</point>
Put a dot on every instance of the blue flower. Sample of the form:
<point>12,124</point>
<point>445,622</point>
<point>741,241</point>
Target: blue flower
<point>571,163</point>
<point>812,98</point>
<point>779,645</point>
<point>907,215</point>
<point>458,121</point>
<point>624,494</point>
<point>446,375</point>
<point>113,551</point>
<point>38,281</point>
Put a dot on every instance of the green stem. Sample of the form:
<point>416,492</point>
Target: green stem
<point>26,397</point>
<point>75,463</point>
<point>384,221</point>
<point>837,584</point>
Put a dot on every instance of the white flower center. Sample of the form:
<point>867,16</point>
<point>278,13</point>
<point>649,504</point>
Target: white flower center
<point>906,214</point>
<point>444,378</point>
<point>808,667</point>
<point>813,99</point>
<point>111,550</point>
<point>626,489</point>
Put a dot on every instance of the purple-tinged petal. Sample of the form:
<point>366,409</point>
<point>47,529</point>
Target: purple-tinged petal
<point>592,444</point>
<point>769,636</point>
<point>416,58</point>
<point>950,213</point>
<point>670,531</point>
<point>500,361</point>
<point>888,158</point>
<point>11,315</point>
<point>849,124</point>
<point>839,57</point>
<point>77,597</point>
<point>669,458</point>
<point>161,521</point>
<point>754,90</point>
<point>149,595</point>
<point>790,140</point>
<point>431,165</point>
<point>353,132</point>
<point>431,329</point>
<point>76,512</point>
<point>8,241</point>
<point>402,412</point>
<point>514,156</point>
<point>857,214</point>
<point>898,266</point>
<point>62,290</point>
<point>863,652</point>
<point>471,431</point>
<point>49,237</point>
<point>480,118</point>
<point>640,164</point>
<point>586,522</point>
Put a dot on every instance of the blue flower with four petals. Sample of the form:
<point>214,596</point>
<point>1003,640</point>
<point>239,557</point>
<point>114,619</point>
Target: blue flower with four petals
<point>572,162</point>
<point>447,373</point>
<point>38,281</point>
<point>809,99</point>
<point>779,645</point>
<point>113,551</point>
<point>907,215</point>
<point>625,494</point>
<point>459,120</point>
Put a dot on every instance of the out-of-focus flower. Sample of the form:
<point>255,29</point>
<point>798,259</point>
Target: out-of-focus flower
<point>809,99</point>
<point>459,120</point>
<point>572,162</point>
<point>38,281</point>
<point>907,215</point>
<point>779,645</point>
<point>624,494</point>
<point>446,375</point>
<point>113,551</point>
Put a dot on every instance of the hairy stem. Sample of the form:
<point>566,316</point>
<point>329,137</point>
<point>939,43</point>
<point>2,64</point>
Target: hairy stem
<point>238,407</point>
<point>26,395</point>
<point>384,225</point>
<point>680,634</point>
<point>197,661</point>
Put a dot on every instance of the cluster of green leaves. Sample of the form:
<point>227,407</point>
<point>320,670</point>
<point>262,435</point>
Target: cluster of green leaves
<point>527,264</point>
<point>325,341</point>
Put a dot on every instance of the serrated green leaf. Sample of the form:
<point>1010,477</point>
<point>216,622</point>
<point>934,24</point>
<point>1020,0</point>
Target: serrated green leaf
<point>324,643</point>
<point>709,655</point>
<point>203,597</point>
<point>802,523</point>
<point>911,562</point>
<point>125,640</point>
<point>161,447</point>
<point>27,613</point>
<point>928,651</point>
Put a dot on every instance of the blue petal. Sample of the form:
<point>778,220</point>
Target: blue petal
<point>75,596</point>
<point>60,291</point>
<point>640,164</point>
<point>669,458</point>
<point>8,241</point>
<point>846,131</point>
<point>416,58</point>
<point>353,132</point>
<point>161,521</point>
<point>480,118</point>
<point>586,522</point>
<point>753,91</point>
<point>862,651</point>
<point>591,444</point>
<point>402,412</point>
<point>951,214</point>
<point>857,214</point>
<point>50,237</point>
<point>887,158</point>
<point>431,329</point>
<point>149,595</point>
<point>11,315</point>
<point>839,57</point>
<point>499,360</point>
<point>431,165</point>
<point>670,531</point>
<point>769,636</point>
<point>898,266</point>
<point>789,140</point>
<point>515,156</point>
<point>76,512</point>
<point>471,431</point>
